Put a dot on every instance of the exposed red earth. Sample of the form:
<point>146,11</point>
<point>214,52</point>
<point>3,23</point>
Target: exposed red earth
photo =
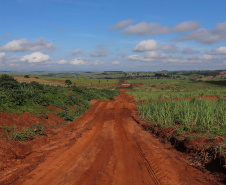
<point>104,146</point>
<point>126,84</point>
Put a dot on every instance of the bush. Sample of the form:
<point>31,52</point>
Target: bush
<point>65,115</point>
<point>8,82</point>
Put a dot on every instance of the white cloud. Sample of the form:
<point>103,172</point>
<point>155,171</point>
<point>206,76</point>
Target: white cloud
<point>116,63</point>
<point>99,53</point>
<point>36,57</point>
<point>139,58</point>
<point>152,45</point>
<point>154,54</point>
<point>206,57</point>
<point>189,51</point>
<point>205,36</point>
<point>146,45</point>
<point>96,63</point>
<point>78,61</point>
<point>220,27</point>
<point>2,55</point>
<point>187,26</point>
<point>85,61</point>
<point>62,62</point>
<point>161,58</point>
<point>145,28</point>
<point>219,51</point>
<point>24,45</point>
<point>134,57</point>
<point>122,24</point>
<point>77,51</point>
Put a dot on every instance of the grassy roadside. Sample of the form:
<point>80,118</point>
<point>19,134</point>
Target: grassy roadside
<point>188,114</point>
<point>36,98</point>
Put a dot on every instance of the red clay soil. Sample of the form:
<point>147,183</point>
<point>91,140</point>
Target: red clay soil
<point>126,84</point>
<point>104,146</point>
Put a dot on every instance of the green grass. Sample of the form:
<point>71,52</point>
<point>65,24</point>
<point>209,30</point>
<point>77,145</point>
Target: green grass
<point>18,97</point>
<point>165,104</point>
<point>191,115</point>
<point>170,88</point>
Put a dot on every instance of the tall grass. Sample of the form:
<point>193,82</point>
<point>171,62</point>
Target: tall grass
<point>192,115</point>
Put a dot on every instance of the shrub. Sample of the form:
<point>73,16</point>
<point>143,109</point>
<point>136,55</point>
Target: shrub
<point>65,115</point>
<point>8,82</point>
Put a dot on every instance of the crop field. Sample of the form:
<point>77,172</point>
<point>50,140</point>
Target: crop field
<point>94,83</point>
<point>195,106</point>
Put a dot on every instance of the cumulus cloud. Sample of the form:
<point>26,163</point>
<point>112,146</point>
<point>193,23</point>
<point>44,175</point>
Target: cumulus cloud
<point>122,24</point>
<point>116,63</point>
<point>206,57</point>
<point>186,26</point>
<point>96,63</point>
<point>189,51</point>
<point>152,45</point>
<point>85,61</point>
<point>2,55</point>
<point>139,58</point>
<point>62,62</point>
<point>77,51</point>
<point>134,57</point>
<point>219,51</point>
<point>220,27</point>
<point>153,56</point>
<point>170,48</point>
<point>99,53</point>
<point>145,28</point>
<point>78,61</point>
<point>36,57</point>
<point>24,45</point>
<point>205,36</point>
<point>156,55</point>
<point>146,45</point>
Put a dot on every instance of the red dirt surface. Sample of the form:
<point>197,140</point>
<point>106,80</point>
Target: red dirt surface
<point>126,84</point>
<point>104,146</point>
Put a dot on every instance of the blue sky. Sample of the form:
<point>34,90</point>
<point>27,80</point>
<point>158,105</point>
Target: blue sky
<point>98,35</point>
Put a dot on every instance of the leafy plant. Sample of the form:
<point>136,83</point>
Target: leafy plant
<point>66,115</point>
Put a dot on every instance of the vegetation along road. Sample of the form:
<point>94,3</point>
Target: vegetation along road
<point>106,147</point>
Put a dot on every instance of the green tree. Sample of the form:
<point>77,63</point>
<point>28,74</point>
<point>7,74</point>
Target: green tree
<point>8,82</point>
<point>68,82</point>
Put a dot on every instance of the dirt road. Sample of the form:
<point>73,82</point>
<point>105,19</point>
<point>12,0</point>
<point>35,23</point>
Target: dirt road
<point>112,149</point>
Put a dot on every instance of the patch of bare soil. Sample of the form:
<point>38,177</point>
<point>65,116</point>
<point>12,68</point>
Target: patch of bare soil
<point>104,146</point>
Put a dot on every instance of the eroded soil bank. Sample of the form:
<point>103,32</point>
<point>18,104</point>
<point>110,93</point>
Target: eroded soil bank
<point>104,146</point>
